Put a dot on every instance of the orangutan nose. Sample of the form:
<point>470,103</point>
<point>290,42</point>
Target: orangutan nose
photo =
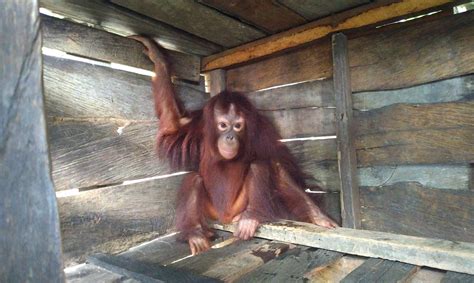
<point>229,138</point>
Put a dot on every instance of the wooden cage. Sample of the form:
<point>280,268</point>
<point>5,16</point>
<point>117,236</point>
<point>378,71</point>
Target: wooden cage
<point>373,98</point>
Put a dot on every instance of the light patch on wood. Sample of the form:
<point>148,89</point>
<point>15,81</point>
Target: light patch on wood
<point>336,271</point>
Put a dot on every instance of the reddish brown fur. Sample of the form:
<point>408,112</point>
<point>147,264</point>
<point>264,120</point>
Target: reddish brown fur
<point>262,183</point>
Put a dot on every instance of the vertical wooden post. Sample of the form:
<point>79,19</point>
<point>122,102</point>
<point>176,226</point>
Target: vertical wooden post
<point>30,246</point>
<point>350,203</point>
<point>217,81</point>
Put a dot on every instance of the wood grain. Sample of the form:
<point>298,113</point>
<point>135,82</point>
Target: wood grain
<point>416,134</point>
<point>335,272</point>
<point>441,254</point>
<point>116,218</point>
<point>30,242</point>
<point>456,277</point>
<point>413,54</point>
<point>81,40</point>
<point>115,19</point>
<point>369,14</point>
<point>411,209</point>
<point>196,19</point>
<point>312,10</point>
<point>267,15</point>
<point>307,63</point>
<point>379,270</point>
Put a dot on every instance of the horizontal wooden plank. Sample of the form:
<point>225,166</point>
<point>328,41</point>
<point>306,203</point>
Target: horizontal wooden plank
<point>435,176</point>
<point>312,10</point>
<point>81,40</point>
<point>307,94</point>
<point>92,153</point>
<point>416,134</point>
<point>456,277</point>
<point>459,88</point>
<point>375,12</point>
<point>104,15</point>
<point>196,19</point>
<point>307,63</point>
<point>267,15</point>
<point>380,270</point>
<point>291,266</point>
<point>416,210</point>
<point>303,122</point>
<point>113,219</point>
<point>335,272</point>
<point>441,254</point>
<point>81,90</point>
<point>413,54</point>
<point>90,273</point>
<point>426,274</point>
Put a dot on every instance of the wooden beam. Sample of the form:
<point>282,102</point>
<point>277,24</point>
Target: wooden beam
<point>217,81</point>
<point>345,137</point>
<point>436,253</point>
<point>359,17</point>
<point>30,244</point>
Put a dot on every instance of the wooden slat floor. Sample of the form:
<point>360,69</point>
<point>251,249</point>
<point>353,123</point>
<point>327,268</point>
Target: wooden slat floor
<point>257,260</point>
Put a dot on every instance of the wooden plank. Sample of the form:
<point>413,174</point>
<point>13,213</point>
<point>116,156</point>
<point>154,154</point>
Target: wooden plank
<point>142,272</point>
<point>229,269</point>
<point>196,19</point>
<point>267,15</point>
<point>318,93</point>
<point>291,266</point>
<point>379,270</point>
<point>84,273</point>
<point>30,240</point>
<point>427,275</point>
<point>312,10</point>
<point>167,249</point>
<point>416,134</point>
<point>81,90</point>
<point>93,153</point>
<point>93,43</point>
<point>413,54</point>
<point>459,88</point>
<point>217,81</point>
<point>369,14</point>
<point>345,134</point>
<point>335,272</point>
<point>303,122</point>
<point>455,277</point>
<point>115,218</point>
<point>445,214</point>
<point>442,254</point>
<point>292,67</point>
<point>455,177</point>
<point>113,18</point>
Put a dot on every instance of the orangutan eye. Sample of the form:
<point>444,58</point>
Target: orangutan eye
<point>222,126</point>
<point>237,126</point>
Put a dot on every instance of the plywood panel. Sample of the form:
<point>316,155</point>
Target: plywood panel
<point>312,10</point>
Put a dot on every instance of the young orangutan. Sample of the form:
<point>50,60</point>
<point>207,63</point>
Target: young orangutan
<point>243,173</point>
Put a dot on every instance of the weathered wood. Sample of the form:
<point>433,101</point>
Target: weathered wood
<point>292,266</point>
<point>312,10</point>
<point>196,19</point>
<point>416,134</point>
<point>460,88</point>
<point>84,273</point>
<point>345,134</point>
<point>93,43</point>
<point>217,81</point>
<point>380,270</point>
<point>144,272</point>
<point>454,177</point>
<point>442,254</point>
<point>267,15</point>
<point>307,94</point>
<point>231,268</point>
<point>305,64</point>
<point>30,244</point>
<point>113,18</point>
<point>413,54</point>
<point>427,275</point>
<point>369,14</point>
<point>115,218</point>
<point>167,249</point>
<point>80,90</point>
<point>455,277</point>
<point>445,214</point>
<point>336,271</point>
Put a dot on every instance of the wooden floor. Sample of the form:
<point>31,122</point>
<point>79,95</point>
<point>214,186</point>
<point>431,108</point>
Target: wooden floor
<point>256,260</point>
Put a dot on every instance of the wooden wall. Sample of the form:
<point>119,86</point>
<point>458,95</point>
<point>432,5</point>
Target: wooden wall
<point>413,105</point>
